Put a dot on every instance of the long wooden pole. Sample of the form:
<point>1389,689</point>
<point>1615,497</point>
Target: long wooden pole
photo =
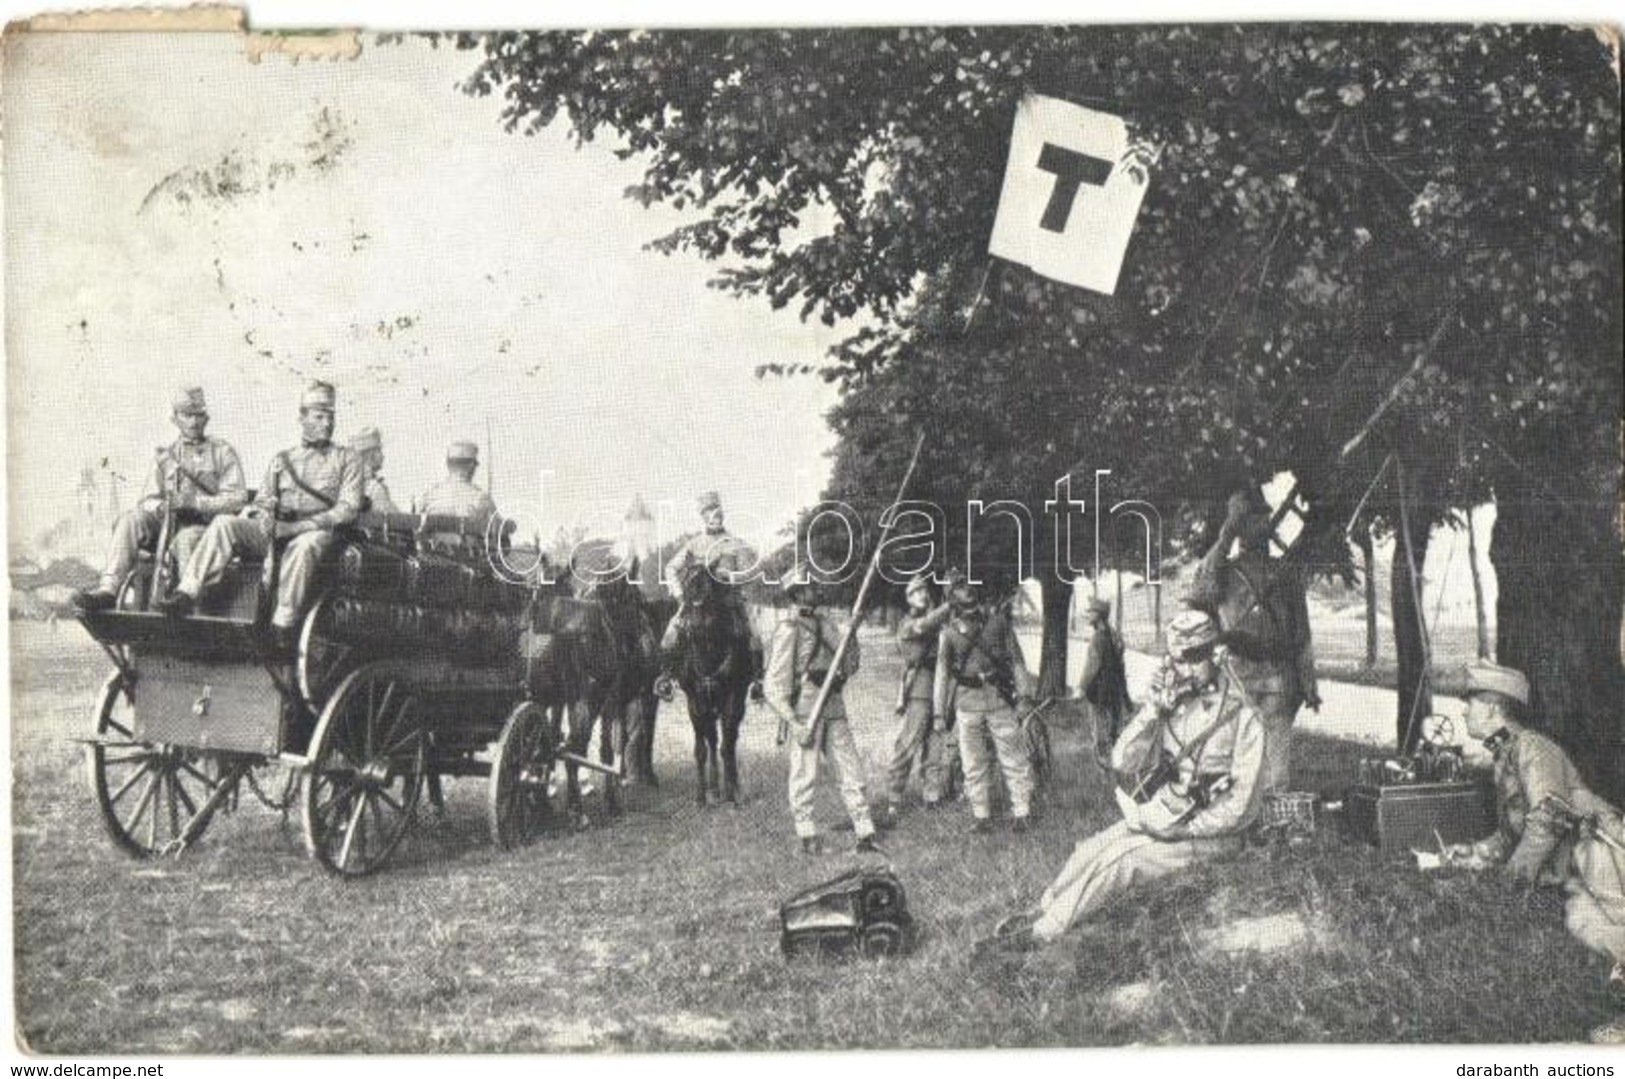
<point>816,717</point>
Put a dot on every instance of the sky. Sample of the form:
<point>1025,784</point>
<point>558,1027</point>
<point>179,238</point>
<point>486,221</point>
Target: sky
<point>383,232</point>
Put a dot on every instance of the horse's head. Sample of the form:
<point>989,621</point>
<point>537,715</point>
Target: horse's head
<point>697,581</point>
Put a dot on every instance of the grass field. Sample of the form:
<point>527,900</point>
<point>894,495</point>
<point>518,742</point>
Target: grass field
<point>659,930</point>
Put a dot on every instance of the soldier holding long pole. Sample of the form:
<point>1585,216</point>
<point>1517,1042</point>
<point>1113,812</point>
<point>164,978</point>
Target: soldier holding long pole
<point>806,654</point>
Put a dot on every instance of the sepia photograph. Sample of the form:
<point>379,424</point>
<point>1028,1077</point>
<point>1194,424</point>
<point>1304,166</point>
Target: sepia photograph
<point>757,538</point>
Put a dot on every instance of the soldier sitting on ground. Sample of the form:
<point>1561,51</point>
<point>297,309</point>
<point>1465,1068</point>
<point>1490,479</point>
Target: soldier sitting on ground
<point>1189,767</point>
<point>1551,829</point>
<point>198,477</point>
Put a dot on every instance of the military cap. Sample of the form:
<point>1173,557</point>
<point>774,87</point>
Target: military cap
<point>1191,631</point>
<point>318,395</point>
<point>919,583</point>
<point>188,400</point>
<point>463,451</point>
<point>797,577</point>
<point>962,593</point>
<point>367,438</point>
<point>1486,677</point>
<point>710,500</point>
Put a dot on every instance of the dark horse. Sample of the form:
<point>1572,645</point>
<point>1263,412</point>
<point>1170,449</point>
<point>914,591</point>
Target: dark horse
<point>714,667</point>
<point>613,654</point>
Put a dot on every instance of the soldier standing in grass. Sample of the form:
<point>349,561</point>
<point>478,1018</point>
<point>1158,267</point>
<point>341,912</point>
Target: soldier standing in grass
<point>1264,615</point>
<point>918,742</point>
<point>799,663</point>
<point>1551,828</point>
<point>982,678</point>
<point>1104,684</point>
<point>1189,765</point>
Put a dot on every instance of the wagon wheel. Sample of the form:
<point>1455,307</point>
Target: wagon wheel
<point>151,794</point>
<point>520,775</point>
<point>367,761</point>
<point>320,656</point>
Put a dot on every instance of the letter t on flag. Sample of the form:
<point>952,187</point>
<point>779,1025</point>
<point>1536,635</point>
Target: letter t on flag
<point>1069,202</point>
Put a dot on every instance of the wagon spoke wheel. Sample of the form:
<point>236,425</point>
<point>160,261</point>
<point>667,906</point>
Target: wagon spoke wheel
<point>520,775</point>
<point>320,654</point>
<point>367,760</point>
<point>150,794</point>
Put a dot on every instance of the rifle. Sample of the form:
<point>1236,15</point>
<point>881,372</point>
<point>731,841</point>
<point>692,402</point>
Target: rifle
<point>1033,729</point>
<point>273,558</point>
<point>1584,825</point>
<point>815,720</point>
<point>166,532</point>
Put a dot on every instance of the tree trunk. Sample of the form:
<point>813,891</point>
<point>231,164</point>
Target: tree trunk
<point>1478,589</point>
<point>1410,642</point>
<point>1559,572</point>
<point>1368,560</point>
<point>1119,603</point>
<point>1057,609</point>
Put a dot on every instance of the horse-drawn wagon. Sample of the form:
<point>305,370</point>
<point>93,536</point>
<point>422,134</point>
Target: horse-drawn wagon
<point>417,660</point>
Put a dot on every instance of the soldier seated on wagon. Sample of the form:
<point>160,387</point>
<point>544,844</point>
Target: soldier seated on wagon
<point>309,491</point>
<point>193,480</point>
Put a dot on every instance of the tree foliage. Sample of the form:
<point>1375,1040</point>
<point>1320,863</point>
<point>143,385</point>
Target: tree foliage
<point>1338,215</point>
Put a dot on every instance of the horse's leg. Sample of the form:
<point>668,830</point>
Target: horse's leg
<point>697,721</point>
<point>581,712</point>
<point>612,752</point>
<point>644,758</point>
<point>733,714</point>
<point>713,739</point>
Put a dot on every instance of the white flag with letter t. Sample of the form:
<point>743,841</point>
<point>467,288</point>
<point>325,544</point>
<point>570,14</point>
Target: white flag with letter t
<point>1070,194</point>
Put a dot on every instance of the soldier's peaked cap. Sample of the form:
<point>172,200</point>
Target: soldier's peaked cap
<point>919,583</point>
<point>797,577</point>
<point>1487,677</point>
<point>462,451</point>
<point>188,400</point>
<point>367,438</point>
<point>1192,631</point>
<point>318,395</point>
<point>710,500</point>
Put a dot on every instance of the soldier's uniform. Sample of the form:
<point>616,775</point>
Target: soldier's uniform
<point>1264,614</point>
<point>917,743</point>
<point>726,556</point>
<point>1104,684</point>
<point>456,496</point>
<point>976,651</point>
<point>202,479</point>
<point>1534,840</point>
<point>800,660</point>
<point>320,483</point>
<point>1181,824</point>
<point>375,496</point>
